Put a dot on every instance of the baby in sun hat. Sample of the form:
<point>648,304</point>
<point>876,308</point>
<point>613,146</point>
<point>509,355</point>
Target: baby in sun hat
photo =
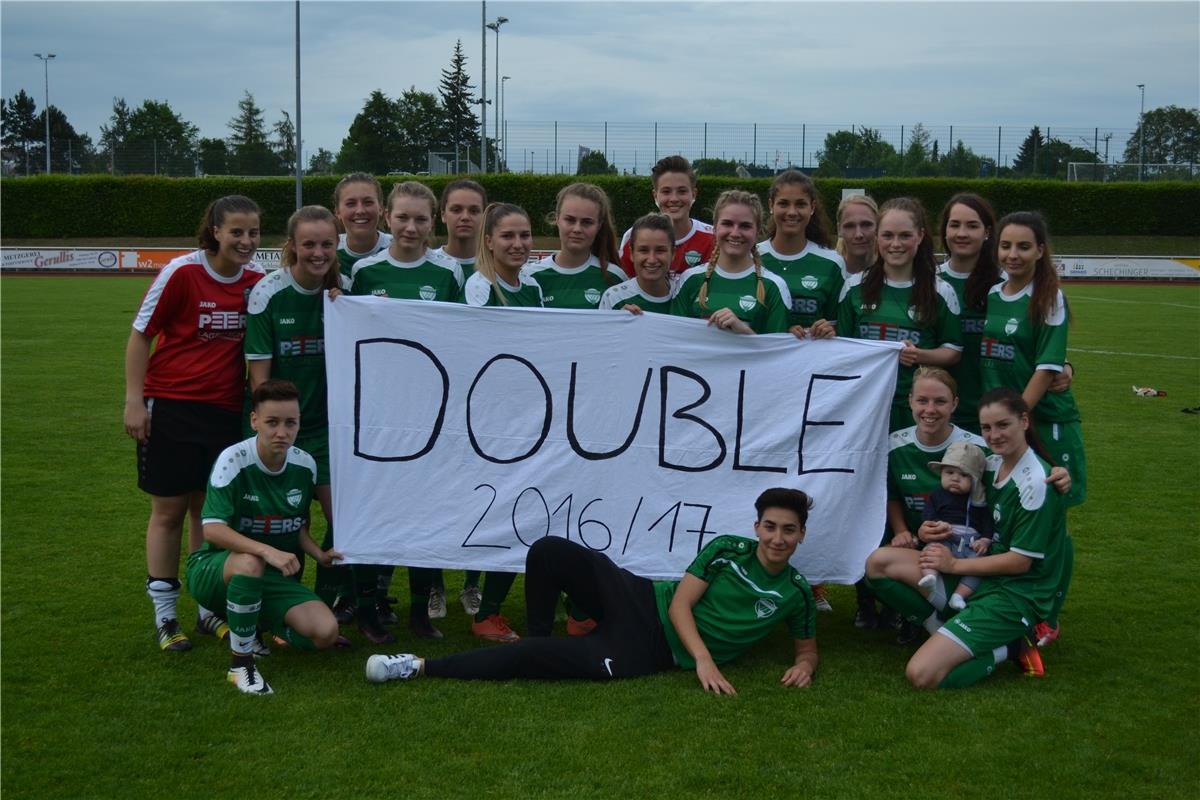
<point>962,503</point>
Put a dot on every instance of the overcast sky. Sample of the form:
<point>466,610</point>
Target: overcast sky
<point>1070,65</point>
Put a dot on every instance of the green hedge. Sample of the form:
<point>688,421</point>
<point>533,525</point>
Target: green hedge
<point>62,206</point>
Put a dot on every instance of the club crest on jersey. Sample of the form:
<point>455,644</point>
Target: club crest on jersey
<point>747,302</point>
<point>592,296</point>
<point>1010,327</point>
<point>691,257</point>
<point>764,607</point>
<point>996,514</point>
<point>427,292</point>
<point>912,313</point>
<point>294,496</point>
<point>809,282</point>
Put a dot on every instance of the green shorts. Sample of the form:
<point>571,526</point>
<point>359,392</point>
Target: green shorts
<point>1064,442</point>
<point>206,583</point>
<point>987,623</point>
<point>317,446</point>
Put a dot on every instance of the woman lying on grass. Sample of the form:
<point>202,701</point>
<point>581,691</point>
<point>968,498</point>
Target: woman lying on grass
<point>732,595</point>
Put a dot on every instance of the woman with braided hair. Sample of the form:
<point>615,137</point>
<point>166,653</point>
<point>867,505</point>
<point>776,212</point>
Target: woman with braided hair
<point>733,291</point>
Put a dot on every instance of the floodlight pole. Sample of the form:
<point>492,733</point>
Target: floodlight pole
<point>1142,131</point>
<point>495,26</point>
<point>299,162</point>
<point>46,64</point>
<point>503,122</point>
<point>483,91</point>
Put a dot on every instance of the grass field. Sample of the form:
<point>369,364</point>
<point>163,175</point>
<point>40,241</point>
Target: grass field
<point>92,709</point>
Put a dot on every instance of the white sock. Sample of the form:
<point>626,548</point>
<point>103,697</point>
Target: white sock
<point>203,613</point>
<point>927,581</point>
<point>957,602</point>
<point>164,593</point>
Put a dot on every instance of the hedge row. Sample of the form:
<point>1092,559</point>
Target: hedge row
<point>89,206</point>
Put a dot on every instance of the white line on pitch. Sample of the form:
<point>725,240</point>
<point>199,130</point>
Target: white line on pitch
<point>1133,355</point>
<point>1130,302</point>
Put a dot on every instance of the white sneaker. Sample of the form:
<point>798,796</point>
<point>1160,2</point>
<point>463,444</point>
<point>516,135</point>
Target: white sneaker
<point>399,667</point>
<point>927,582</point>
<point>470,597</point>
<point>437,603</point>
<point>249,680</point>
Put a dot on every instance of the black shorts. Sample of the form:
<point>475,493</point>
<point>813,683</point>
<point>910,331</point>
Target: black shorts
<point>185,439</point>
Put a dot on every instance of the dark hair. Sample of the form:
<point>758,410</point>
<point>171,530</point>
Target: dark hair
<point>311,214</point>
<point>214,217</point>
<point>924,290</point>
<point>652,222</point>
<point>672,164</point>
<point>986,274</point>
<point>792,500</point>
<point>464,183</point>
<point>1011,399</point>
<point>274,389</point>
<point>817,229</point>
<point>1045,276</point>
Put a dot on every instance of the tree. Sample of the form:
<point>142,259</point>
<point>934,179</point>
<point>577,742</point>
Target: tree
<point>1059,154</point>
<point>862,153</point>
<point>458,103</point>
<point>284,144</point>
<point>19,132</point>
<point>1028,157</point>
<point>113,135</point>
<point>1172,137</point>
<point>250,151</point>
<point>917,153</point>
<point>70,152</point>
<point>214,157</point>
<point>422,127</point>
<point>961,162</point>
<point>715,166</point>
<point>373,142</point>
<point>593,162</point>
<point>321,162</point>
<point>159,141</point>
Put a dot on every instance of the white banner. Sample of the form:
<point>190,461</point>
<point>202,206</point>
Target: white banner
<point>1127,268</point>
<point>459,436</point>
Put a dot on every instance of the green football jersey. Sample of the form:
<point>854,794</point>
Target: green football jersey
<point>480,292</point>
<point>347,257</point>
<point>629,292</point>
<point>891,320</point>
<point>575,287</point>
<point>1014,347</point>
<point>466,264</point>
<point>286,324</point>
<point>736,291</point>
<point>966,371</point>
<point>434,277</point>
<point>1031,519</point>
<point>910,480</point>
<point>268,507</point>
<point>742,604</point>
<point>814,278</point>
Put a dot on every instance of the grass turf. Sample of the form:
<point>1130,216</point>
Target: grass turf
<point>92,709</point>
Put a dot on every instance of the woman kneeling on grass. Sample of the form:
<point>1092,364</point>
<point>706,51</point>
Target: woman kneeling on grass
<point>731,596</point>
<point>1022,571</point>
<point>255,533</point>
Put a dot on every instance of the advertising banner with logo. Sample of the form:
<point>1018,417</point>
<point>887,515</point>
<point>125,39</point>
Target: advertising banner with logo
<point>459,435</point>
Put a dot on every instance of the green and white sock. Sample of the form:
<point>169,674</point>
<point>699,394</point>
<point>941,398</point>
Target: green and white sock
<point>243,601</point>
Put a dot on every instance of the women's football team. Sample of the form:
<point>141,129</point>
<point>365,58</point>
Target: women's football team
<point>983,366</point>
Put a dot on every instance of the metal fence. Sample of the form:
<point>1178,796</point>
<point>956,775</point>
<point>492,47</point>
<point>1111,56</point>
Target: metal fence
<point>554,147</point>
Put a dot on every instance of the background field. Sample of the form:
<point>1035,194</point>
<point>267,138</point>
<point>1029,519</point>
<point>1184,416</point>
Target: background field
<point>92,709</point>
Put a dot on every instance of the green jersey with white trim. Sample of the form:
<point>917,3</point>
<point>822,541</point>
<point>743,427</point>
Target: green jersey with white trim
<point>629,292</point>
<point>574,287</point>
<point>479,291</point>
<point>285,324</point>
<point>466,264</point>
<point>1030,519</point>
<point>892,319</point>
<point>970,321</point>
<point>736,291</point>
<point>1014,347</point>
<point>742,603</point>
<point>435,277</point>
<point>347,257</point>
<point>268,507</point>
<point>910,480</point>
<point>814,277</point>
